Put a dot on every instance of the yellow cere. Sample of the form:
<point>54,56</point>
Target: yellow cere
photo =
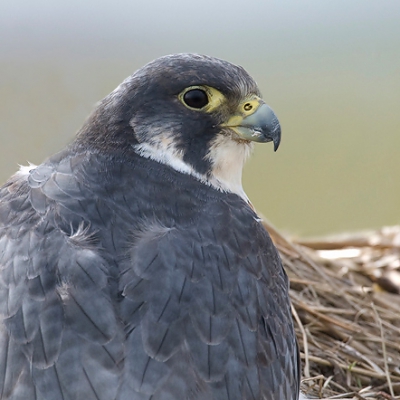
<point>250,106</point>
<point>246,108</point>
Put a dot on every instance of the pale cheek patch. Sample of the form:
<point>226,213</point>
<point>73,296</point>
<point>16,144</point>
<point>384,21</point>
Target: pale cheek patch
<point>168,155</point>
<point>227,157</point>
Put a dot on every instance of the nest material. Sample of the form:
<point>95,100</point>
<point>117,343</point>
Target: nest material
<point>346,307</point>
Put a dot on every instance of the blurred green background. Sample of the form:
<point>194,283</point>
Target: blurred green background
<point>330,70</point>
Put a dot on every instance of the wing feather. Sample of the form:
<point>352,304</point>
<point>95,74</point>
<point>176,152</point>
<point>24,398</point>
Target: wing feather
<point>57,321</point>
<point>105,298</point>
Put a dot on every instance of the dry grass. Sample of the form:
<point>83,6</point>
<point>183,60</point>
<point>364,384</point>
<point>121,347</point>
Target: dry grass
<point>346,305</point>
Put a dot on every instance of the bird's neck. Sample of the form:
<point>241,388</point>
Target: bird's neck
<point>226,158</point>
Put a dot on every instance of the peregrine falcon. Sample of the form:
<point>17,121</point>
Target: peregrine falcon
<point>132,264</point>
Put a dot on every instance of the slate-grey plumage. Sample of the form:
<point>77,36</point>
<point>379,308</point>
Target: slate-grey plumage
<point>132,265</point>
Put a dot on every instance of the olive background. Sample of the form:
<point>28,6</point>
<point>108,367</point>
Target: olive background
<point>329,69</point>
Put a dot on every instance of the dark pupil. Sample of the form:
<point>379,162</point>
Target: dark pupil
<point>196,98</point>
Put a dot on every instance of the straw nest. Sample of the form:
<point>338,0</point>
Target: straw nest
<point>346,306</point>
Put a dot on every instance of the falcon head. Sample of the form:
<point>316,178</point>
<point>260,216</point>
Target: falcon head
<point>197,114</point>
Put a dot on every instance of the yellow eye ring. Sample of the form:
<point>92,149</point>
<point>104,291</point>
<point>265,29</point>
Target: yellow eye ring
<point>201,98</point>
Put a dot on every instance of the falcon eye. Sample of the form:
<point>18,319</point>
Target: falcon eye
<point>195,98</point>
<point>201,98</point>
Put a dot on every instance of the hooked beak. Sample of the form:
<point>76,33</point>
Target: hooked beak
<point>255,121</point>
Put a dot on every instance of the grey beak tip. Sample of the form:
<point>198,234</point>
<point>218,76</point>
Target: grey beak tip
<point>276,137</point>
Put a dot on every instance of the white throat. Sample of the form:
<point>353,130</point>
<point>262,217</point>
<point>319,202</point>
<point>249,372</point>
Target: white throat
<point>226,155</point>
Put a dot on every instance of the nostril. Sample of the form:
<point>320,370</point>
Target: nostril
<point>247,107</point>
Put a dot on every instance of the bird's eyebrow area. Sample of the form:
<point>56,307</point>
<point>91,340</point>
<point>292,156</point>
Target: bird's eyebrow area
<point>215,97</point>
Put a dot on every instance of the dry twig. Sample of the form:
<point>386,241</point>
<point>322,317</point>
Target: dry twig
<point>346,310</point>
